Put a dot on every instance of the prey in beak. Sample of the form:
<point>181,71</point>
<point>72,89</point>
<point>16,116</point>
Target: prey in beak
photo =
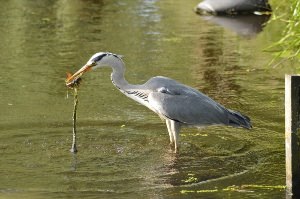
<point>74,80</point>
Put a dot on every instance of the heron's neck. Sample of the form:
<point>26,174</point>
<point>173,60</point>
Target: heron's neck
<point>117,75</point>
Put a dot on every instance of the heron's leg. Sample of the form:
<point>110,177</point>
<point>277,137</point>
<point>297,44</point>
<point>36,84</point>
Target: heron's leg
<point>168,123</point>
<point>175,128</point>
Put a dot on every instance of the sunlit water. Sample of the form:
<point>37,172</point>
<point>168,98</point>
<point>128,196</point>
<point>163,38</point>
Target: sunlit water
<point>123,147</point>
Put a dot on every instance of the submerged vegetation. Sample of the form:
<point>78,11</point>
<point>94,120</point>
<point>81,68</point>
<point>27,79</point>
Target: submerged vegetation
<point>234,188</point>
<point>289,44</point>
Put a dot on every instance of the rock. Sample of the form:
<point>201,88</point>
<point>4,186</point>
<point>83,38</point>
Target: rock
<point>233,7</point>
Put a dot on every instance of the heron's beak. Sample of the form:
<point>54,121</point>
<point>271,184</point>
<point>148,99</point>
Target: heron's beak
<point>78,74</point>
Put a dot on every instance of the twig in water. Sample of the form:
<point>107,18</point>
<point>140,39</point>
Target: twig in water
<point>74,148</point>
<point>74,84</point>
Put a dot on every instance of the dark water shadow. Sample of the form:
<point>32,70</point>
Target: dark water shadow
<point>246,26</point>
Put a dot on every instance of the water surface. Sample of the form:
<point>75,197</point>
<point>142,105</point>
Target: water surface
<point>123,147</point>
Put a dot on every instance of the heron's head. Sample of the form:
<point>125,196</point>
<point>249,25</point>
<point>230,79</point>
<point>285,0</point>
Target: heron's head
<point>96,61</point>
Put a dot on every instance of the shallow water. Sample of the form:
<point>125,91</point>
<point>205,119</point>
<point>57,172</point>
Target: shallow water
<point>123,147</point>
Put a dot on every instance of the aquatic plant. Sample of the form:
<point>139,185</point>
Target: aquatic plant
<point>190,179</point>
<point>235,188</point>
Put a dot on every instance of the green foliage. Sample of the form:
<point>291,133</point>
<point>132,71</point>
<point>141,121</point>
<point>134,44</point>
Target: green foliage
<point>289,44</point>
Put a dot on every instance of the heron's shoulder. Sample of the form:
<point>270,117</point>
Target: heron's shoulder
<point>160,81</point>
<point>162,78</point>
<point>170,86</point>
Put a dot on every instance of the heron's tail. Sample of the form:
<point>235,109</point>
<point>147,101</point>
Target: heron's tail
<point>237,119</point>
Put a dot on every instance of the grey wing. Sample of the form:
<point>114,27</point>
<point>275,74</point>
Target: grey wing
<point>188,108</point>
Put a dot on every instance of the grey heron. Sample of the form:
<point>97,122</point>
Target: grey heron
<point>177,104</point>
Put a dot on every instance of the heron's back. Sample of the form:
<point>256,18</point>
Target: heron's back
<point>189,106</point>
